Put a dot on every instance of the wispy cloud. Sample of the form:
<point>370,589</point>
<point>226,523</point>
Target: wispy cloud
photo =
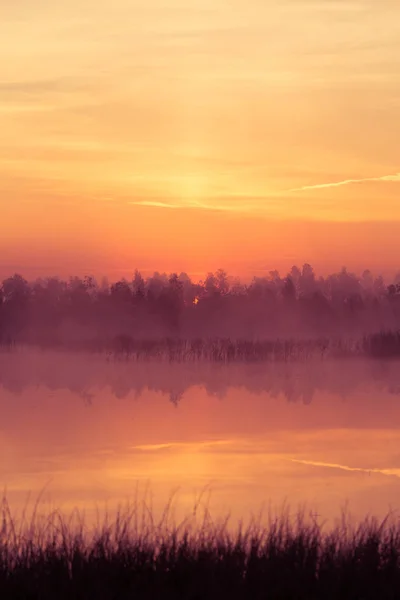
<point>156,203</point>
<point>320,186</point>
<point>204,444</point>
<point>190,204</point>
<point>31,87</point>
<point>314,463</point>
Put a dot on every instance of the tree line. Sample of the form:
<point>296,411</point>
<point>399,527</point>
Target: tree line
<point>300,303</point>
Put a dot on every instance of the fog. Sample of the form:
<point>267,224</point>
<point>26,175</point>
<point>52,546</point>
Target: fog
<point>86,374</point>
<point>92,430</point>
<point>283,389</point>
<point>51,311</point>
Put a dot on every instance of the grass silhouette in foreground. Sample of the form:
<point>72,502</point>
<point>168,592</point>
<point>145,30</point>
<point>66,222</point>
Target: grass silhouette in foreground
<point>132,556</point>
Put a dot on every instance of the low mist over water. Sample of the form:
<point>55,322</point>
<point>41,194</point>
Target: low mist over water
<point>91,430</point>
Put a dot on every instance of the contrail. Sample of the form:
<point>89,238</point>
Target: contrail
<point>320,186</point>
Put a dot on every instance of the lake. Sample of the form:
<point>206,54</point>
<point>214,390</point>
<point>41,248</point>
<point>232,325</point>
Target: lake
<point>91,433</point>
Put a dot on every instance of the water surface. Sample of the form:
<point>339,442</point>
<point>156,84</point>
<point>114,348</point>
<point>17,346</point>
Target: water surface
<point>93,432</point>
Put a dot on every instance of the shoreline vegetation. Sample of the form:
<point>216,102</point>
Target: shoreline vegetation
<point>133,555</point>
<point>299,305</point>
<point>382,345</point>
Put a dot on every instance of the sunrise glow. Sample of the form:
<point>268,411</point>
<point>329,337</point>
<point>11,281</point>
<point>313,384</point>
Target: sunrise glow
<point>135,131</point>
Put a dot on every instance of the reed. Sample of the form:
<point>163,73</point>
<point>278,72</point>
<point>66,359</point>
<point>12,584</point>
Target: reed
<point>134,556</point>
<point>226,350</point>
<point>385,344</point>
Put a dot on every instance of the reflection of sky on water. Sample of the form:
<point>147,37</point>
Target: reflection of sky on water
<point>249,448</point>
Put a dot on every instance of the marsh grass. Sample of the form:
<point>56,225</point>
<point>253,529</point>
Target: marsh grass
<point>132,555</point>
<point>385,344</point>
<point>226,350</point>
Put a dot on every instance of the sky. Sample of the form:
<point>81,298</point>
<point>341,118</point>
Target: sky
<point>198,134</point>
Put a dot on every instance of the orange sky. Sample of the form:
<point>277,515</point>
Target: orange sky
<point>192,135</point>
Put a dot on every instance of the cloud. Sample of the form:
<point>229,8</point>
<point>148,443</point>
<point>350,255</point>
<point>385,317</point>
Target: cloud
<point>188,446</point>
<point>234,203</point>
<point>189,204</point>
<point>38,86</point>
<point>314,463</point>
<point>156,203</point>
<point>320,186</point>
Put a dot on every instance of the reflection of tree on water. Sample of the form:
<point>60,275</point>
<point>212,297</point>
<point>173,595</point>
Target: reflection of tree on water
<point>298,382</point>
<point>294,396</point>
<point>217,389</point>
<point>87,397</point>
<point>175,397</point>
<point>121,388</point>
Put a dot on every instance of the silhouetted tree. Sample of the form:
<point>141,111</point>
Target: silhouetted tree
<point>121,292</point>
<point>49,309</point>
<point>138,286</point>
<point>289,290</point>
